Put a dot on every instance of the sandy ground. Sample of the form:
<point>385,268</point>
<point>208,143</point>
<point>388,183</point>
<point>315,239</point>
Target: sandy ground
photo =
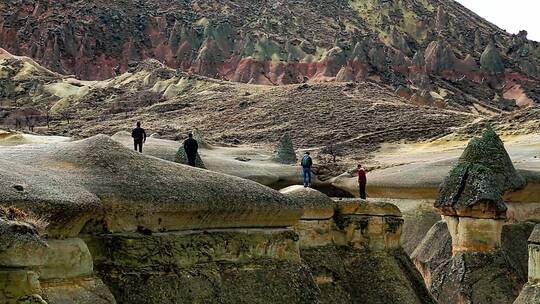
<point>402,171</point>
<point>416,170</point>
<point>14,139</point>
<point>243,161</point>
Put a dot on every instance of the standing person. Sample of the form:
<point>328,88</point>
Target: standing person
<point>191,146</point>
<point>306,168</point>
<point>139,137</point>
<point>362,181</point>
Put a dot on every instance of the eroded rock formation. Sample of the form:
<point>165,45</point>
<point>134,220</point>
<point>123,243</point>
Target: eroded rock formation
<point>252,42</point>
<point>471,197</point>
<point>531,290</point>
<point>119,220</point>
<point>473,246</point>
<point>494,276</point>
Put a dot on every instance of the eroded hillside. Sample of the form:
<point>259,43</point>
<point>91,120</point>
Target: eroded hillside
<point>355,116</point>
<point>424,49</point>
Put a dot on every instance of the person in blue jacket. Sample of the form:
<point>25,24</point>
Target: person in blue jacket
<point>306,163</point>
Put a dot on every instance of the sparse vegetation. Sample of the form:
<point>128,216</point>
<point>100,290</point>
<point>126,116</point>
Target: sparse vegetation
<point>15,214</point>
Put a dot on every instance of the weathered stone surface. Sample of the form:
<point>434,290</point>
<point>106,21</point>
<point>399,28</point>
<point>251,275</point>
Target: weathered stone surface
<point>435,249</point>
<point>495,276</point>
<point>491,61</point>
<point>476,185</point>
<point>85,290</point>
<point>16,234</point>
<point>474,235</point>
<point>315,233</point>
<point>535,236</point>
<point>17,283</point>
<point>129,190</point>
<point>261,281</point>
<point>58,259</point>
<point>441,20</point>
<point>212,266</point>
<point>348,275</point>
<point>360,207</point>
<point>531,291</point>
<point>440,58</point>
<point>529,294</point>
<point>31,299</point>
<point>534,256</point>
<point>315,204</point>
<point>534,263</point>
<point>376,233</point>
<point>419,60</point>
<point>191,248</point>
<point>418,218</point>
<point>64,204</point>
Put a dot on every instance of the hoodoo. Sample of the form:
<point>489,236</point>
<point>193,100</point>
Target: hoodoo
<point>474,245</point>
<point>471,197</point>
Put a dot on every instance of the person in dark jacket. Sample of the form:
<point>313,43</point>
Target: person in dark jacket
<point>362,181</point>
<point>191,146</point>
<point>139,137</point>
<point>306,163</point>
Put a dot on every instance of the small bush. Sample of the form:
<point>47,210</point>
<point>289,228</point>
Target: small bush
<point>15,214</point>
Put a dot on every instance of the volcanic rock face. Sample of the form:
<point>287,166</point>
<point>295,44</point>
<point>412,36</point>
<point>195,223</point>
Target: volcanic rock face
<point>255,42</point>
<point>473,247</point>
<point>491,61</point>
<point>33,268</point>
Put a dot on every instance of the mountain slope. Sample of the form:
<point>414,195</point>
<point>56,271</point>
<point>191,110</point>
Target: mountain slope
<point>424,49</point>
<point>356,117</point>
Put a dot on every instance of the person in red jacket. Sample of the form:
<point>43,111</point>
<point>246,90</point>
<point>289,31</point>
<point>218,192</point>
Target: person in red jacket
<point>362,181</point>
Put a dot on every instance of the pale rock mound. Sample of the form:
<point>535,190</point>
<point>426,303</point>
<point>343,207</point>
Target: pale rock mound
<point>314,203</point>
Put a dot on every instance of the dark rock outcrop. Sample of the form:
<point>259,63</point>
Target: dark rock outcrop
<point>491,61</point>
<point>531,291</point>
<point>440,58</point>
